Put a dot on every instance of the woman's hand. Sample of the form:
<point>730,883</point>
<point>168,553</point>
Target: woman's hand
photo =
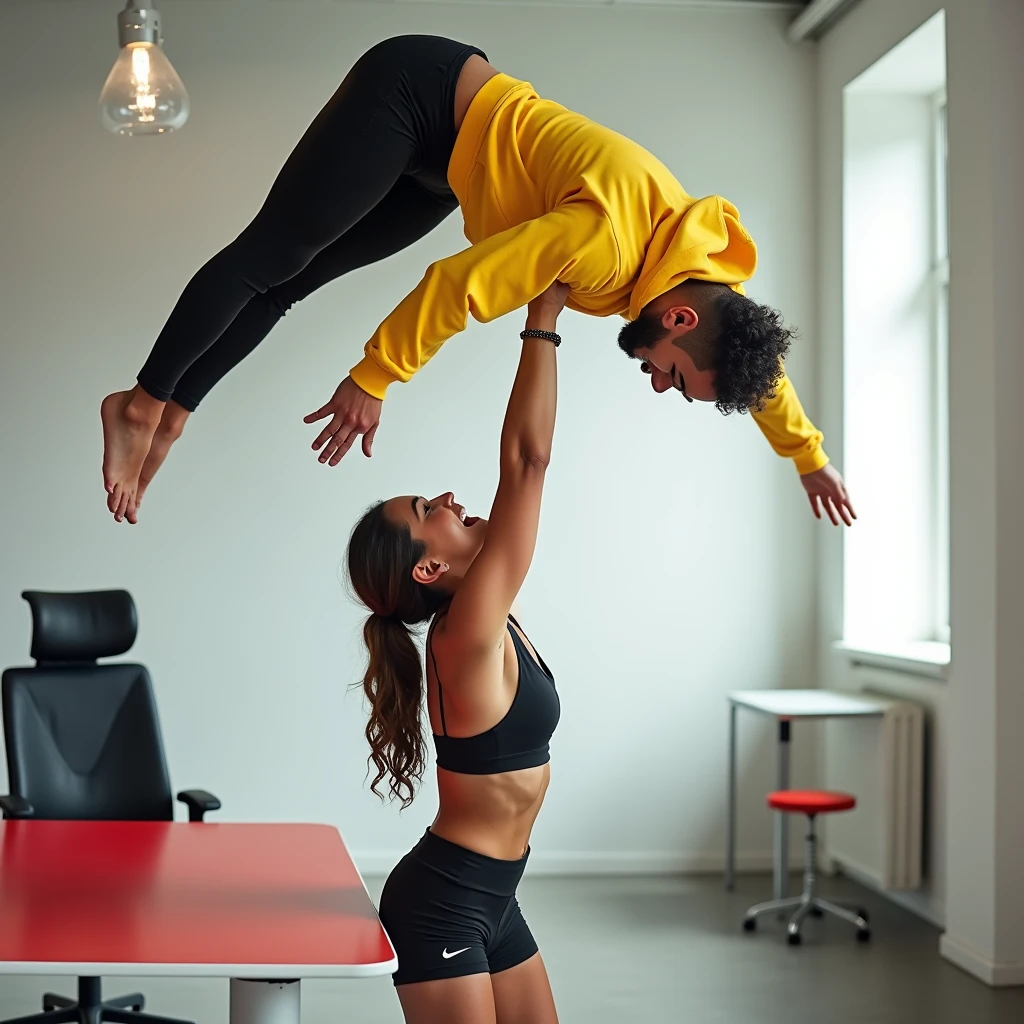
<point>548,304</point>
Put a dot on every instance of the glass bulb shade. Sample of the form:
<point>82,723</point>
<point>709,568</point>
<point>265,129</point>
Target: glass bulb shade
<point>143,94</point>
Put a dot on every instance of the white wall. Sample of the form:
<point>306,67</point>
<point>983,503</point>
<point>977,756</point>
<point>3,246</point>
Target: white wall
<point>978,763</point>
<point>675,557</point>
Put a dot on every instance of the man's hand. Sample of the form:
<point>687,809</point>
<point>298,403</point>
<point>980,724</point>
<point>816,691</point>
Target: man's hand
<point>825,488</point>
<point>353,412</point>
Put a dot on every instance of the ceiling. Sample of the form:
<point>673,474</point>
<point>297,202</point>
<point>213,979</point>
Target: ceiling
<point>781,4</point>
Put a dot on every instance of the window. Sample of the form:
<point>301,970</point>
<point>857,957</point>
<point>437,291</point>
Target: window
<point>895,344</point>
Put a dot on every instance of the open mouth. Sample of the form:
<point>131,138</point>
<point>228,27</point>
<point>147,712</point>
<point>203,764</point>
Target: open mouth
<point>468,521</point>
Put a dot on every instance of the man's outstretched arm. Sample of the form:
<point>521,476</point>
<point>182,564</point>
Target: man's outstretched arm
<point>502,273</point>
<point>792,435</point>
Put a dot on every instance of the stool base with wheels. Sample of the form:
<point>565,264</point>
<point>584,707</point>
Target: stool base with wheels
<point>811,803</point>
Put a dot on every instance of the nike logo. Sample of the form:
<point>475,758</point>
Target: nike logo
<point>456,952</point>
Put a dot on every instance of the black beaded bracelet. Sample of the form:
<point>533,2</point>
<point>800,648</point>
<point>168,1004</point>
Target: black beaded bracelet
<point>546,335</point>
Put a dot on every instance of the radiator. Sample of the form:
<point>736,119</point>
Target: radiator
<point>880,761</point>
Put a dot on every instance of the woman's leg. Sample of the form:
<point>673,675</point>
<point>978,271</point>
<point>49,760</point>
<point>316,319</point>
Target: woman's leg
<point>347,161</point>
<point>522,994</point>
<point>404,215</point>
<point>466,1000</point>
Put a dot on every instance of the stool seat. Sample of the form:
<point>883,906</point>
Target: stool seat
<point>811,801</point>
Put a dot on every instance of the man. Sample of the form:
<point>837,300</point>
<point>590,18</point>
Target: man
<point>419,126</point>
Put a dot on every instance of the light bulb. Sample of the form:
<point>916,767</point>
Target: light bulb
<point>143,94</point>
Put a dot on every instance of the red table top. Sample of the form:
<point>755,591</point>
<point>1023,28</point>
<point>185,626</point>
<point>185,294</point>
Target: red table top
<point>259,901</point>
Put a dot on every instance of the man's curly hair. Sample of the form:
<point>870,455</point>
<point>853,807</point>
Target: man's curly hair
<point>751,342</point>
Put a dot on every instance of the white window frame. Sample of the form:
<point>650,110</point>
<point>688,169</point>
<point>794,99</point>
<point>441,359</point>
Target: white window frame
<point>940,426</point>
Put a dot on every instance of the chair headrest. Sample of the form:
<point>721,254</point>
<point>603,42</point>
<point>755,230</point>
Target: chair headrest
<point>81,626</point>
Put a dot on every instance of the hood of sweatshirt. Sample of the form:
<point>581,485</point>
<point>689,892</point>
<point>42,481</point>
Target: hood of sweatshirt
<point>706,242</point>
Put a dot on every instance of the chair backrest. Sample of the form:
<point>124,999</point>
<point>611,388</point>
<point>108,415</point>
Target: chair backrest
<point>83,740</point>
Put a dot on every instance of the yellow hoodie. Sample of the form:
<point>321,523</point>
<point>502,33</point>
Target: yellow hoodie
<point>549,195</point>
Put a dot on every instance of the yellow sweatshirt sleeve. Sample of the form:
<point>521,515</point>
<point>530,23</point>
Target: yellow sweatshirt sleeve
<point>487,280</point>
<point>788,430</point>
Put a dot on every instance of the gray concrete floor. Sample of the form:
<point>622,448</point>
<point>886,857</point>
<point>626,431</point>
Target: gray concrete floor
<point>661,950</point>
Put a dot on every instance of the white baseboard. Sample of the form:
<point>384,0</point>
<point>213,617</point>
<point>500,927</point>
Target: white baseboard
<point>589,864</point>
<point>553,864</point>
<point>918,903</point>
<point>993,973</point>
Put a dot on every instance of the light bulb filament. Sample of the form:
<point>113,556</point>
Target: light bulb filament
<point>145,101</point>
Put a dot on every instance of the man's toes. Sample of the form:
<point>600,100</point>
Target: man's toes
<point>122,505</point>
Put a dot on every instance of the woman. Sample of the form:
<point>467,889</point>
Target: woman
<point>465,954</point>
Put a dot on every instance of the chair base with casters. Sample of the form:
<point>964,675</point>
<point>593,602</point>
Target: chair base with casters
<point>811,803</point>
<point>91,1008</point>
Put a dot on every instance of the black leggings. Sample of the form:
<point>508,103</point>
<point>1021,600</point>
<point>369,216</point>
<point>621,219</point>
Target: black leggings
<point>368,178</point>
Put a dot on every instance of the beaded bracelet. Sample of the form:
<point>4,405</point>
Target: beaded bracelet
<point>546,335</point>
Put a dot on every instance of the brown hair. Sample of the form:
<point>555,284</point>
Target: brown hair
<point>381,557</point>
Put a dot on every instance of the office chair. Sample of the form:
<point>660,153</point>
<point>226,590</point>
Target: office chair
<point>83,742</point>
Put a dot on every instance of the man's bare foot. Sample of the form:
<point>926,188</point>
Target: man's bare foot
<point>172,423</point>
<point>130,419</point>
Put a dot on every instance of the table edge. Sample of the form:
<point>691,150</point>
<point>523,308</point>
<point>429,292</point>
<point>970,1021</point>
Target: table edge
<point>871,710</point>
<point>205,970</point>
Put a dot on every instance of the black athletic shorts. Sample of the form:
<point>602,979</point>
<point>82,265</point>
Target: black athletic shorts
<point>451,912</point>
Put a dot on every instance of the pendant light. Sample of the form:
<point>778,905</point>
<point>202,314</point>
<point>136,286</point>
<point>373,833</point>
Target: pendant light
<point>143,94</point>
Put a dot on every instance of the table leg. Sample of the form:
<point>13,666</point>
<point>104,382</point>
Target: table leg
<point>781,822</point>
<point>730,825</point>
<point>264,1002</point>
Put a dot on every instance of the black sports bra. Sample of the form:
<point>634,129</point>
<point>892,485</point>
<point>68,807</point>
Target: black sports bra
<point>520,739</point>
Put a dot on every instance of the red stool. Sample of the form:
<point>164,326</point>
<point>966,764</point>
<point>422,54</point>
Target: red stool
<point>811,803</point>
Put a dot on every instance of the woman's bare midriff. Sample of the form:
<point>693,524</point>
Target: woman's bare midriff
<point>491,814</point>
<point>475,72</point>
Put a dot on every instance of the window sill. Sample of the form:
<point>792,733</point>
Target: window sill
<point>924,658</point>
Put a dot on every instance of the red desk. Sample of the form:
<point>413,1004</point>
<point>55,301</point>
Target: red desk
<point>248,902</point>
